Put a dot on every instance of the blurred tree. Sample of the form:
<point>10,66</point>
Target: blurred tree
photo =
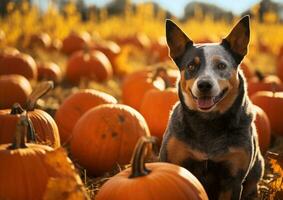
<point>4,4</point>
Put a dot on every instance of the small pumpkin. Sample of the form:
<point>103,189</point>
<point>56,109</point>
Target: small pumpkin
<point>49,71</point>
<point>159,50</point>
<point>152,181</point>
<point>75,106</point>
<point>13,88</point>
<point>13,62</point>
<point>26,168</point>
<point>41,40</point>
<point>111,50</point>
<point>264,83</point>
<point>272,104</point>
<point>262,124</point>
<point>92,65</point>
<point>43,128</point>
<point>135,86</point>
<point>75,42</point>
<point>140,41</point>
<point>105,136</point>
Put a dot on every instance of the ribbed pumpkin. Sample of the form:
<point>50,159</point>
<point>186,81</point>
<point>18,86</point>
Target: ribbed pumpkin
<point>152,181</point>
<point>26,168</point>
<point>49,71</point>
<point>92,65</point>
<point>262,124</point>
<point>155,108</point>
<point>75,106</point>
<point>13,88</point>
<point>106,136</point>
<point>137,84</point>
<point>13,62</point>
<point>75,42</point>
<point>272,104</point>
<point>43,128</point>
<point>264,83</point>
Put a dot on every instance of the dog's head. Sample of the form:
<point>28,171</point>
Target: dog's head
<point>209,72</point>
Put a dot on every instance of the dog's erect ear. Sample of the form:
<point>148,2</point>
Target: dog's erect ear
<point>239,38</point>
<point>177,40</point>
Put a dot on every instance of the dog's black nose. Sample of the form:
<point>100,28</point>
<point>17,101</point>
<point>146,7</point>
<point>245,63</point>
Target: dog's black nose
<point>204,86</point>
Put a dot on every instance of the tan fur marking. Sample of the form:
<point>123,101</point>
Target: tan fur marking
<point>197,60</point>
<point>227,195</point>
<point>238,158</point>
<point>233,85</point>
<point>186,85</point>
<point>178,151</point>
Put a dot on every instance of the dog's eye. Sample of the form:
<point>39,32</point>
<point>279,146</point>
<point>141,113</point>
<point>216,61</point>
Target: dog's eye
<point>192,67</point>
<point>221,66</point>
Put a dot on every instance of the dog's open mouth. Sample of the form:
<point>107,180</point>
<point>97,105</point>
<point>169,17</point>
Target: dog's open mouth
<point>207,102</point>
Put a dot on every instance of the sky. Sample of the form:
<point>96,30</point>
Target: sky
<point>177,6</point>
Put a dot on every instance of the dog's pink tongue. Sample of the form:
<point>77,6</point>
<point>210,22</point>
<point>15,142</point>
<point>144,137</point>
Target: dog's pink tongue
<point>205,103</point>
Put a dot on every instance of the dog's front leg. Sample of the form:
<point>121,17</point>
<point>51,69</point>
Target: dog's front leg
<point>237,161</point>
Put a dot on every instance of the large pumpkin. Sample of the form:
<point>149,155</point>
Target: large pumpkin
<point>137,84</point>
<point>155,108</point>
<point>49,71</point>
<point>43,128</point>
<point>13,88</point>
<point>75,106</point>
<point>26,169</point>
<point>272,104</point>
<point>13,62</point>
<point>92,65</point>
<point>152,181</point>
<point>262,124</point>
<point>75,42</point>
<point>105,136</point>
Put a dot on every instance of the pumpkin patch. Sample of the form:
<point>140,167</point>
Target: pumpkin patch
<point>87,89</point>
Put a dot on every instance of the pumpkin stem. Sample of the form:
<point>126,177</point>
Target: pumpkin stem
<point>18,110</point>
<point>38,92</point>
<point>138,165</point>
<point>162,72</point>
<point>21,131</point>
<point>259,75</point>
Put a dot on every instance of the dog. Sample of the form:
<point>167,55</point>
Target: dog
<point>211,130</point>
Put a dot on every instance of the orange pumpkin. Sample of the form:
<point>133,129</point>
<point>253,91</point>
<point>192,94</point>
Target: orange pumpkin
<point>152,181</point>
<point>13,88</point>
<point>155,108</point>
<point>13,62</point>
<point>137,84</point>
<point>49,71</point>
<point>93,65</point>
<point>105,136</point>
<point>272,104</point>
<point>26,168</point>
<point>43,128</point>
<point>111,50</point>
<point>264,83</point>
<point>55,45</point>
<point>263,129</point>
<point>42,40</point>
<point>75,106</point>
<point>75,42</point>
